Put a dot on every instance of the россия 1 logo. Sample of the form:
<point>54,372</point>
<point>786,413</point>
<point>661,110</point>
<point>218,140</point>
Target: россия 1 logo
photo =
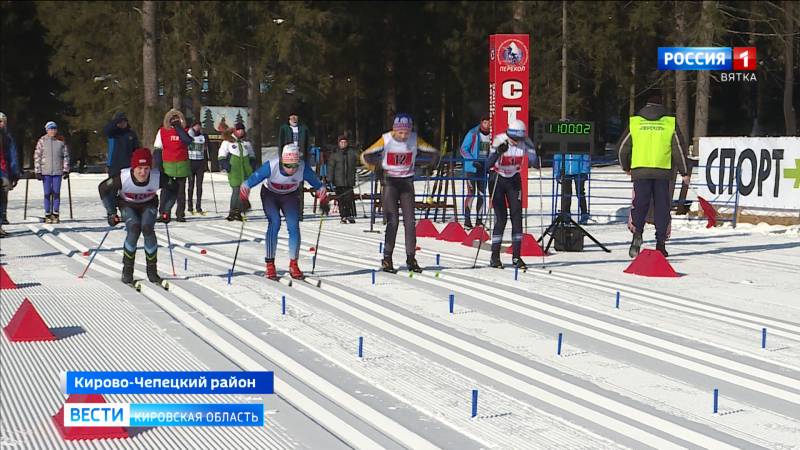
<point>737,63</point>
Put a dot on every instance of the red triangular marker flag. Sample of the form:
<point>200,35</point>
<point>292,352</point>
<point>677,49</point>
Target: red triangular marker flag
<point>426,228</point>
<point>27,325</point>
<point>453,232</point>
<point>74,433</point>
<point>651,263</point>
<point>709,211</point>
<point>5,281</point>
<point>528,247</point>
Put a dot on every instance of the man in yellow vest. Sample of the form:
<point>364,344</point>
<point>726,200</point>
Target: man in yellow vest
<point>648,150</point>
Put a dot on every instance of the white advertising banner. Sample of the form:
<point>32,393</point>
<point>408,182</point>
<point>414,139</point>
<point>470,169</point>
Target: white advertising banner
<point>765,171</point>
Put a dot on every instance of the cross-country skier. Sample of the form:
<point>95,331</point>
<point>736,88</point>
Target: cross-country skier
<point>505,158</point>
<point>134,192</point>
<point>396,151</point>
<point>281,177</point>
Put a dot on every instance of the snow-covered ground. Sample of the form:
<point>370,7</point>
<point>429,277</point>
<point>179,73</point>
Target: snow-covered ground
<point>637,376</point>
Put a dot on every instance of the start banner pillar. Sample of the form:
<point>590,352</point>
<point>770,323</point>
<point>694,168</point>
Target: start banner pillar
<point>509,87</point>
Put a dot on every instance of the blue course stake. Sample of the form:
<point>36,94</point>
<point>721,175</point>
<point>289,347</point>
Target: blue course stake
<point>716,400</point>
<point>516,273</point>
<point>380,247</point>
<point>763,338</point>
<point>185,264</point>
<point>230,274</point>
<point>360,346</point>
<point>437,259</point>
<point>560,338</point>
<point>283,304</point>
<point>617,300</point>
<point>474,402</point>
<point>373,276</point>
<point>452,302</point>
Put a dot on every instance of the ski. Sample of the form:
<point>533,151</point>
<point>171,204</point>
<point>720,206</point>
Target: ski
<point>316,282</point>
<point>137,284</point>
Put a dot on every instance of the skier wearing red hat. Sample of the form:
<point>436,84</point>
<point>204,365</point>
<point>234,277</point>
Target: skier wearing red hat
<point>134,192</point>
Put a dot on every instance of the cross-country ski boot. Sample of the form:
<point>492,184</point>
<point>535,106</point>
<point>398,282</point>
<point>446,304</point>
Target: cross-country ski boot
<point>127,266</point>
<point>55,218</point>
<point>468,223</point>
<point>662,247</point>
<point>387,266</point>
<point>152,271</point>
<point>519,263</point>
<point>494,261</point>
<point>636,245</point>
<point>411,262</point>
<point>294,270</point>
<point>271,272</point>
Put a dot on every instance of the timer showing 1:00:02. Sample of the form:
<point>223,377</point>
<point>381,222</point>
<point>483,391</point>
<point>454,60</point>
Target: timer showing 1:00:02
<point>569,128</point>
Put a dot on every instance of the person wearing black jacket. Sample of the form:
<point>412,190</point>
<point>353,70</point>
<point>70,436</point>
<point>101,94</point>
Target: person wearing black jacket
<point>134,192</point>
<point>342,174</point>
<point>295,132</point>
<point>122,140</point>
<point>649,150</point>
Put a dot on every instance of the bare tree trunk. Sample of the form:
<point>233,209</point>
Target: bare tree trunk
<point>149,127</point>
<point>197,80</point>
<point>632,91</point>
<point>681,82</point>
<point>391,88</point>
<point>442,117</point>
<point>253,85</point>
<point>703,77</point>
<point>176,94</point>
<point>790,28</point>
<point>518,16</point>
<point>355,111</point>
<point>563,60</point>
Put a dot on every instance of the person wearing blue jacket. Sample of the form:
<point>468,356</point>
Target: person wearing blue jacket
<point>9,169</point>
<point>122,141</point>
<point>575,169</point>
<point>281,178</point>
<point>474,152</point>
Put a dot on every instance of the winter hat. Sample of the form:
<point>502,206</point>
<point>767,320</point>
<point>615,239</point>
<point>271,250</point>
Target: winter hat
<point>141,157</point>
<point>3,117</point>
<point>516,129</point>
<point>342,137</point>
<point>290,154</point>
<point>239,126</point>
<point>50,125</point>
<point>402,122</point>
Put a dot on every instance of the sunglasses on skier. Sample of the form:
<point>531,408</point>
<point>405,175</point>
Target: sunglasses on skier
<point>291,166</point>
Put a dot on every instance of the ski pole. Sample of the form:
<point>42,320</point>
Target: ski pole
<point>238,242</point>
<point>169,245</point>
<point>361,197</point>
<point>213,193</point>
<point>541,209</point>
<point>96,251</point>
<point>69,194</point>
<point>25,211</point>
<point>478,252</point>
<point>316,247</point>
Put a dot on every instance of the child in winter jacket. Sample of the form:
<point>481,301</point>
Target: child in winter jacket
<point>51,164</point>
<point>236,157</point>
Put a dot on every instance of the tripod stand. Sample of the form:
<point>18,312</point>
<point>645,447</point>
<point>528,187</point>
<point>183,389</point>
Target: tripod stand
<point>564,221</point>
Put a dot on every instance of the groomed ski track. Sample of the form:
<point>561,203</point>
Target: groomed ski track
<point>427,361</point>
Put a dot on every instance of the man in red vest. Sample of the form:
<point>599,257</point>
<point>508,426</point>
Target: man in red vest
<point>172,144</point>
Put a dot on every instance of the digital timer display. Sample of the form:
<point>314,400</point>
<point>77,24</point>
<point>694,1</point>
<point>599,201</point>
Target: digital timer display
<point>569,128</point>
<point>564,136</point>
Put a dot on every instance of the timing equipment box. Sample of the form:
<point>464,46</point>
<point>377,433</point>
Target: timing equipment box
<point>569,238</point>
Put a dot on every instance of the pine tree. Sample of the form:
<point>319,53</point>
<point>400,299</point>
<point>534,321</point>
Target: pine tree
<point>208,121</point>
